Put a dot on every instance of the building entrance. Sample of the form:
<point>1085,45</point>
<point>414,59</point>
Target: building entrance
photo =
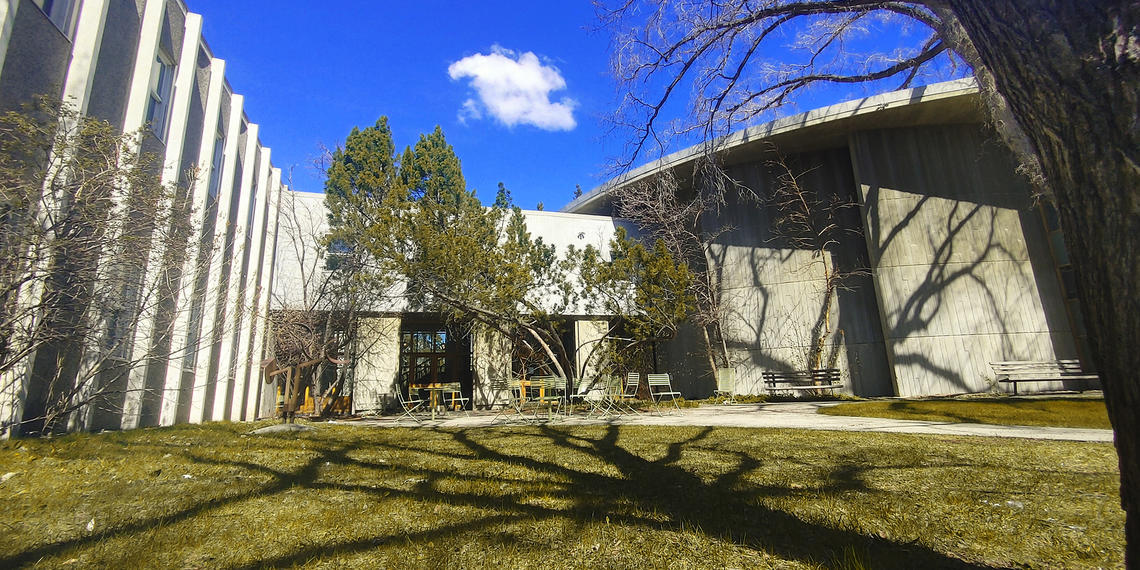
<point>434,355</point>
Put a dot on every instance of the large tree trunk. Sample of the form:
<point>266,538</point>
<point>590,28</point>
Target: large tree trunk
<point>1070,73</point>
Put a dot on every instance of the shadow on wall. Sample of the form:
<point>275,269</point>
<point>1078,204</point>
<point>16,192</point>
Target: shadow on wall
<point>948,222</point>
<point>948,269</point>
<point>797,296</point>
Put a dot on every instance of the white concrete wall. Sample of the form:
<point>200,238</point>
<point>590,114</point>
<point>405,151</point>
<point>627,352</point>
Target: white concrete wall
<point>491,363</point>
<point>104,66</point>
<point>377,363</point>
<point>962,268</point>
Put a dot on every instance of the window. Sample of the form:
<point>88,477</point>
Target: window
<point>161,85</point>
<point>216,164</point>
<point>423,357</point>
<point>60,12</point>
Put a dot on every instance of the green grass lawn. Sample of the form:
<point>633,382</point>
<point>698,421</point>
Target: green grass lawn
<point>1058,412</point>
<point>541,497</point>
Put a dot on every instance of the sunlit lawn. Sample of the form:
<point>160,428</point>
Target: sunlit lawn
<point>540,497</point>
<point>1058,412</point>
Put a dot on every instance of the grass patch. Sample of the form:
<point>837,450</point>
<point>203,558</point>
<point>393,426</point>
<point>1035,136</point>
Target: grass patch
<point>1054,412</point>
<point>540,497</point>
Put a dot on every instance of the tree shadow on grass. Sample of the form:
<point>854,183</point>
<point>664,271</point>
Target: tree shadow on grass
<point>651,490</point>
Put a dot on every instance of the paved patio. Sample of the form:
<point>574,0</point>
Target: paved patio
<point>789,415</point>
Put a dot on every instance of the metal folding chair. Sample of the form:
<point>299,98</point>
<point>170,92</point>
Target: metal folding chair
<point>552,394</point>
<point>629,392</point>
<point>725,385</point>
<point>453,398</point>
<point>661,386</point>
<point>410,405</point>
<point>596,396</point>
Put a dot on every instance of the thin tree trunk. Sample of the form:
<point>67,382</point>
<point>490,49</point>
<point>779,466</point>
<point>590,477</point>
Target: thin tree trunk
<point>1070,74</point>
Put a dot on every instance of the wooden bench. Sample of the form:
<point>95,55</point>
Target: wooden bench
<point>1015,371</point>
<point>792,381</point>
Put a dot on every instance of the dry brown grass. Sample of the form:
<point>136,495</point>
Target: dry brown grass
<point>1054,412</point>
<point>538,497</point>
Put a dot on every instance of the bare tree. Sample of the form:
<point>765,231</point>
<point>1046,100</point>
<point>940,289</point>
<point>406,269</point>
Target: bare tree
<point>682,222</point>
<point>315,320</point>
<point>807,219</point>
<point>1060,79</point>
<point>79,208</point>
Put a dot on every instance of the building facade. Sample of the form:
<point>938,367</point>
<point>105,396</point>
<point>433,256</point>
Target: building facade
<point>949,261</point>
<point>143,66</point>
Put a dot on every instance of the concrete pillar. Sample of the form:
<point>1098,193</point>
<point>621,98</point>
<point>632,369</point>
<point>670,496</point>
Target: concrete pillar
<point>261,311</point>
<point>7,19</point>
<point>84,53</point>
<point>211,327</point>
<point>149,36</point>
<point>247,366</point>
<point>85,47</point>
<point>239,282</point>
<point>590,354</point>
<point>377,364</point>
<point>11,382</point>
<point>182,297</point>
<point>143,337</point>
<point>491,367</point>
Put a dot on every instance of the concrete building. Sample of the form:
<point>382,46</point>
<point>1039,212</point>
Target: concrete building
<point>953,264</point>
<point>949,261</point>
<point>394,337</point>
<point>142,65</point>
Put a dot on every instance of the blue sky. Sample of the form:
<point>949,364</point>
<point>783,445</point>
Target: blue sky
<point>520,88</point>
<point>311,73</point>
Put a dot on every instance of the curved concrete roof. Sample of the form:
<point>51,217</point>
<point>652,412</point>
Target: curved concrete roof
<point>827,127</point>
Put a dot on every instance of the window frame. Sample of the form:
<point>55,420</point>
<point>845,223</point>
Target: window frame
<point>61,13</point>
<point>160,92</point>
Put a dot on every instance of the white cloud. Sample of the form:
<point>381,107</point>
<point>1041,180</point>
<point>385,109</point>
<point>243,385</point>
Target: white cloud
<point>515,89</point>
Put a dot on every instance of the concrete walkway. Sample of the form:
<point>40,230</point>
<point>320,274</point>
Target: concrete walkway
<point>788,415</point>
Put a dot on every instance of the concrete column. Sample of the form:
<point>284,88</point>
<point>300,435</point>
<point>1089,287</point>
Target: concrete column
<point>590,338</point>
<point>261,312</point>
<point>84,54</point>
<point>143,337</point>
<point>491,364</point>
<point>239,282</point>
<point>247,367</point>
<point>211,326</point>
<point>377,364</point>
<point>7,19</point>
<point>149,35</point>
<point>85,46</point>
<point>182,297</point>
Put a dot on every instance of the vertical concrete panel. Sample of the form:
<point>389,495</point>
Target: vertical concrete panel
<point>249,354</point>
<point>261,312</point>
<point>172,391</point>
<point>239,275</point>
<point>214,322</point>
<point>377,364</point>
<point>953,275</point>
<point>85,49</point>
<point>112,79</point>
<point>491,365</point>
<point>590,354</point>
<point>148,334</point>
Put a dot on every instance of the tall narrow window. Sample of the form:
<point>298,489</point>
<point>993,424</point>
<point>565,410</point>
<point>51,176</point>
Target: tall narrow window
<point>161,85</point>
<point>216,164</point>
<point>60,12</point>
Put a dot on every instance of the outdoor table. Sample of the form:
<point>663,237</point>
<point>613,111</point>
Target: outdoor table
<point>435,395</point>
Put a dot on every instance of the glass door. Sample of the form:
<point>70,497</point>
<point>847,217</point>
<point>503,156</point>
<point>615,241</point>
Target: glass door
<point>423,357</point>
